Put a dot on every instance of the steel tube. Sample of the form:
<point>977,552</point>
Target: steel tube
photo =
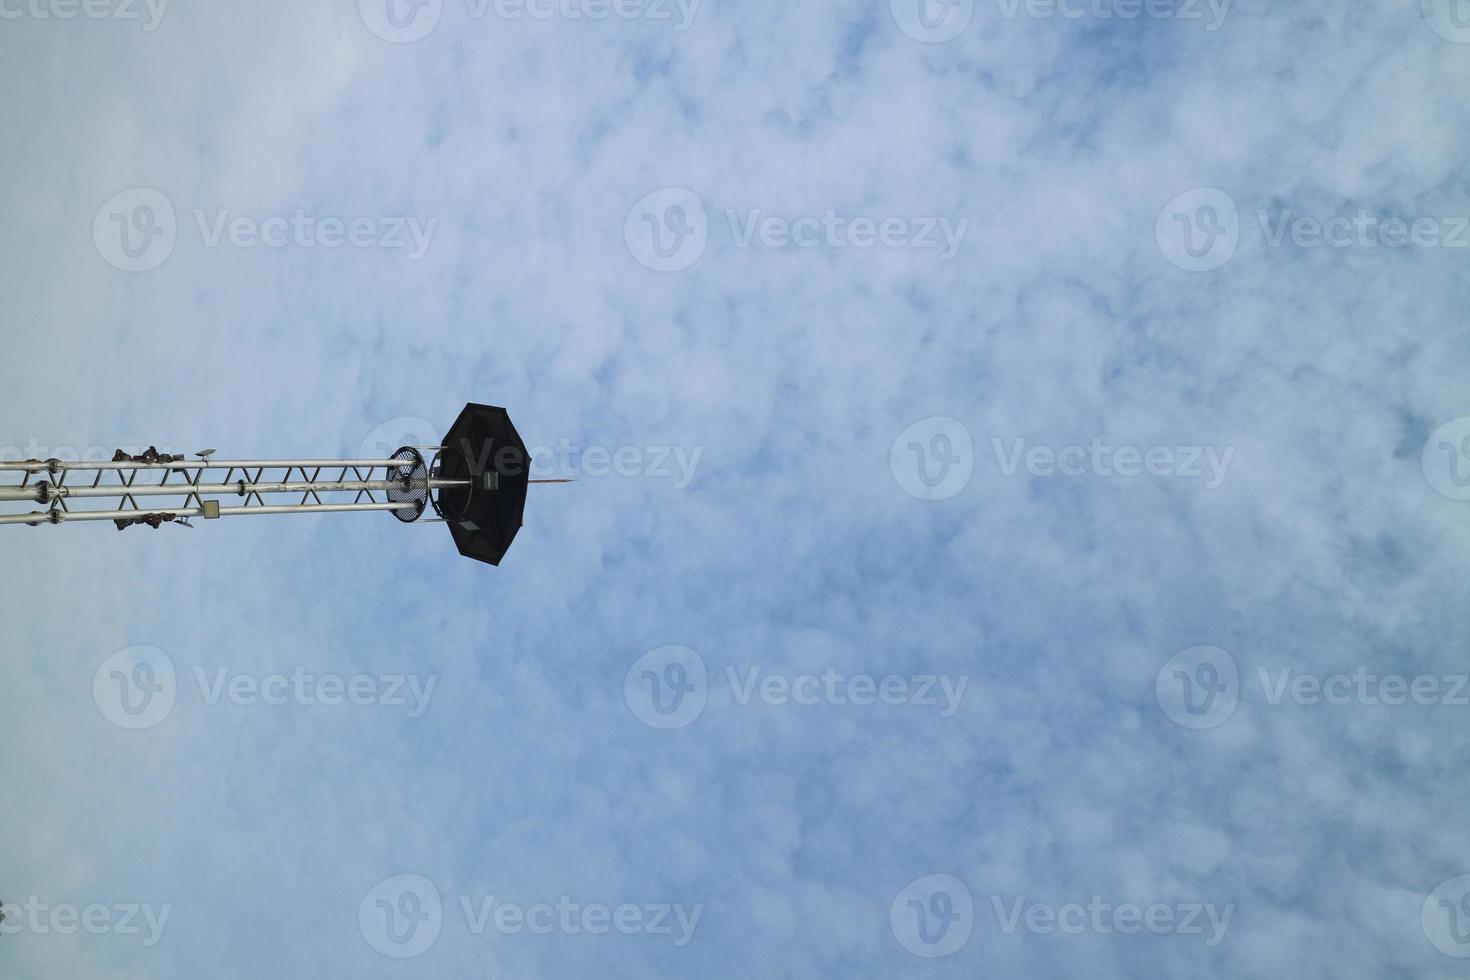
<point>68,517</point>
<point>41,466</point>
<point>214,489</point>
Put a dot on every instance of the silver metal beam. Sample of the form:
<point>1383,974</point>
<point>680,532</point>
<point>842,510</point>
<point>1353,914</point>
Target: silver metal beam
<point>45,481</point>
<point>57,516</point>
<point>47,491</point>
<point>44,466</point>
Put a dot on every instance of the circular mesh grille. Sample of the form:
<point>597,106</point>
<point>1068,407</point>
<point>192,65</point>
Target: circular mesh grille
<point>413,491</point>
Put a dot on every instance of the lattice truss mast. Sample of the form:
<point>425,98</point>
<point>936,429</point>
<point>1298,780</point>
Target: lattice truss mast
<point>475,480</point>
<point>155,488</point>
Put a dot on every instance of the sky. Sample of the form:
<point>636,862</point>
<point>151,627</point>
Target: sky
<point>1022,450</point>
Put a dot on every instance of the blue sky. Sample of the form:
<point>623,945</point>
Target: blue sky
<point>1043,437</point>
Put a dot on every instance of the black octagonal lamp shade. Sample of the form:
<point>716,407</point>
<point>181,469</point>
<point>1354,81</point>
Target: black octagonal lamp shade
<point>484,449</point>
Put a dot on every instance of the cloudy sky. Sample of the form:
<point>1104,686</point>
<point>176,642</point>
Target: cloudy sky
<point>1023,454</point>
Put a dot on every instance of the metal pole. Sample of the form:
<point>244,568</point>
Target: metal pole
<point>68,516</point>
<point>45,481</point>
<point>45,492</point>
<point>43,466</point>
<point>149,487</point>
